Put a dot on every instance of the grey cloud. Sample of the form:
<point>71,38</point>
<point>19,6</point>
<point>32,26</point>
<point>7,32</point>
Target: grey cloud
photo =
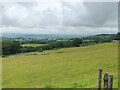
<point>73,14</point>
<point>90,14</point>
<point>69,17</point>
<point>101,12</point>
<point>97,14</point>
<point>49,18</point>
<point>26,4</point>
<point>0,14</point>
<point>119,16</point>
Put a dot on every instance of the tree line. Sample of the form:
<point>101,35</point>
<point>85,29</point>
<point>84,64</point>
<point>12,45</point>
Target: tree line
<point>54,45</point>
<point>12,47</point>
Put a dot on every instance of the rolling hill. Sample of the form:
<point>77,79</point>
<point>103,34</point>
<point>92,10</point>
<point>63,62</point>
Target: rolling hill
<point>63,68</point>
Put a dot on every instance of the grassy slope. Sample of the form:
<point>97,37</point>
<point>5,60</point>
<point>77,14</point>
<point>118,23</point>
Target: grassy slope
<point>72,67</point>
<point>0,73</point>
<point>32,45</point>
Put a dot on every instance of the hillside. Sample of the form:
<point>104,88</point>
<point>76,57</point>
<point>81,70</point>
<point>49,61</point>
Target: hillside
<point>66,68</point>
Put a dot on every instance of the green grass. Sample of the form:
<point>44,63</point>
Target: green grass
<point>0,73</point>
<point>64,68</point>
<point>32,45</point>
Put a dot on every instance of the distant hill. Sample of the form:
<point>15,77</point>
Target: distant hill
<point>46,36</point>
<point>38,36</point>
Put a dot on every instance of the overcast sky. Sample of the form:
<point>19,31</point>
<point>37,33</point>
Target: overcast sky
<point>46,17</point>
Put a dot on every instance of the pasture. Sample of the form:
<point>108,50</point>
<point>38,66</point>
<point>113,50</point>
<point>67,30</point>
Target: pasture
<point>32,45</point>
<point>0,73</point>
<point>63,68</point>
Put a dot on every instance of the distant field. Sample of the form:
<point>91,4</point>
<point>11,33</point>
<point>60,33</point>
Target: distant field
<point>64,68</point>
<point>32,45</point>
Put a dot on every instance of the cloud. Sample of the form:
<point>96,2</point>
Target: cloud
<point>73,14</point>
<point>0,14</point>
<point>90,14</point>
<point>101,13</point>
<point>22,15</point>
<point>60,17</point>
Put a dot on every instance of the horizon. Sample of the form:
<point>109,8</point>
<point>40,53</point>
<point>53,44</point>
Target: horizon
<point>53,33</point>
<point>43,36</point>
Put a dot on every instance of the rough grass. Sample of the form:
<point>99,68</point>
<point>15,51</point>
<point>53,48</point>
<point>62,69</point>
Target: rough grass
<point>0,73</point>
<point>64,68</point>
<point>32,45</point>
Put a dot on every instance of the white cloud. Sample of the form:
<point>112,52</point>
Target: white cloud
<point>60,17</point>
<point>38,14</point>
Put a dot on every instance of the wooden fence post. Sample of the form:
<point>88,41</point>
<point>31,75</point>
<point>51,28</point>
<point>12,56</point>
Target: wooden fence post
<point>110,81</point>
<point>99,79</point>
<point>105,81</point>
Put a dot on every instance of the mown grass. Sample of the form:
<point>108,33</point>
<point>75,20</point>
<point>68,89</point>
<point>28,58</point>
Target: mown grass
<point>64,68</point>
<point>32,45</point>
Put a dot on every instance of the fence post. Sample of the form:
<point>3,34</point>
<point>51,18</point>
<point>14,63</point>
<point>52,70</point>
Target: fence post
<point>105,81</point>
<point>110,81</point>
<point>99,79</point>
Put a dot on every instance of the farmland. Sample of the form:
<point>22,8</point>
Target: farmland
<point>64,68</point>
<point>32,45</point>
<point>0,73</point>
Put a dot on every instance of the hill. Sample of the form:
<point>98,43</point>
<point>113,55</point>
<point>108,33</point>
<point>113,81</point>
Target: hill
<point>65,68</point>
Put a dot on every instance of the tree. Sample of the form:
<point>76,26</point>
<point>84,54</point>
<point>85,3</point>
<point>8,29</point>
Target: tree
<point>10,47</point>
<point>117,36</point>
<point>77,41</point>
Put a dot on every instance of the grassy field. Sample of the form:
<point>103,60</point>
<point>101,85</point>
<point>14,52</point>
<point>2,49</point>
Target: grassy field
<point>0,73</point>
<point>32,45</point>
<point>63,68</point>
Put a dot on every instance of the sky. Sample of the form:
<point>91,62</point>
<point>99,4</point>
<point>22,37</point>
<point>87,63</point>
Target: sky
<point>45,17</point>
